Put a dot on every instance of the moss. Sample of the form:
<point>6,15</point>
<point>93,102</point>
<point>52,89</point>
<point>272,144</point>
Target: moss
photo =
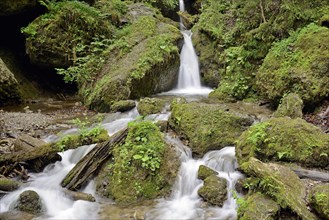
<point>291,106</point>
<point>206,126</point>
<point>214,190</point>
<point>8,184</point>
<point>144,164</point>
<point>149,106</point>
<point>123,105</point>
<point>257,206</point>
<point>281,184</point>
<point>29,201</point>
<point>319,199</point>
<point>284,139</point>
<point>8,7</point>
<point>205,172</point>
<point>304,70</point>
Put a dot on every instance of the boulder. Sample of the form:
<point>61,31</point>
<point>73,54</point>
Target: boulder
<point>257,206</point>
<point>280,184</point>
<point>284,139</point>
<point>207,126</point>
<point>319,199</point>
<point>8,184</point>
<point>9,92</point>
<point>147,106</point>
<point>26,142</point>
<point>214,190</point>
<point>29,201</point>
<point>9,7</point>
<point>123,105</point>
<point>304,70</point>
<point>16,215</point>
<point>290,106</point>
<point>205,172</point>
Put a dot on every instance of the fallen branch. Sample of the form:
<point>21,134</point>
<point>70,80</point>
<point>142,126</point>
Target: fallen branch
<point>311,174</point>
<point>79,196</point>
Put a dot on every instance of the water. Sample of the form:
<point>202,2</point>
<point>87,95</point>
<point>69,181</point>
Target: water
<point>185,202</point>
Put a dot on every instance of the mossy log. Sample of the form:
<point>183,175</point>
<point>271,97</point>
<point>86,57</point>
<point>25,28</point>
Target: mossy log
<point>311,174</point>
<point>91,162</point>
<point>79,196</point>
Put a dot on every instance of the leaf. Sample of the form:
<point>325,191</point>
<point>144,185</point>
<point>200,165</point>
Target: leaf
<point>137,157</point>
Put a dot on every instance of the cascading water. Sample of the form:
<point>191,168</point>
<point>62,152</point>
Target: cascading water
<point>185,202</point>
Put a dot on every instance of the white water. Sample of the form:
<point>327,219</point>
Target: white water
<point>185,202</point>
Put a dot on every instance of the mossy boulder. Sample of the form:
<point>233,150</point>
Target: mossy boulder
<point>257,206</point>
<point>9,92</point>
<point>123,105</point>
<point>291,106</point>
<point>146,57</point>
<point>280,184</point>
<point>59,37</point>
<point>8,184</point>
<point>144,164</point>
<point>319,199</point>
<point>149,106</point>
<point>29,201</point>
<point>214,190</point>
<point>305,69</point>
<point>207,126</point>
<point>9,7</point>
<point>205,172</point>
<point>284,139</point>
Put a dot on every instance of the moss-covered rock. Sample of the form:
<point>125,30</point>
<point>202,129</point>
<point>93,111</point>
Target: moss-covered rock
<point>206,126</point>
<point>257,206</point>
<point>205,172</point>
<point>281,184</point>
<point>29,201</point>
<point>304,70</point>
<point>319,199</point>
<point>149,106</point>
<point>9,7</point>
<point>123,105</point>
<point>59,37</point>
<point>144,164</point>
<point>214,190</point>
<point>8,184</point>
<point>290,106</point>
<point>285,139</point>
<point>9,92</point>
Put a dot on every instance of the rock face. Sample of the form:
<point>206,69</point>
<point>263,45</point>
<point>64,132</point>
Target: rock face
<point>214,190</point>
<point>304,70</point>
<point>205,172</point>
<point>8,85</point>
<point>30,202</point>
<point>284,139</point>
<point>281,184</point>
<point>8,7</point>
<point>319,200</point>
<point>149,106</point>
<point>290,106</point>
<point>206,126</point>
<point>258,206</point>
<point>144,164</point>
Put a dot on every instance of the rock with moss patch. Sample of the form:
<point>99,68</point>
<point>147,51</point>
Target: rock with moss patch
<point>16,215</point>
<point>9,92</point>
<point>291,106</point>
<point>304,70</point>
<point>9,7</point>
<point>8,184</point>
<point>214,190</point>
<point>257,206</point>
<point>205,172</point>
<point>29,201</point>
<point>284,139</point>
<point>123,105</point>
<point>319,199</point>
<point>207,126</point>
<point>144,164</point>
<point>281,184</point>
<point>149,106</point>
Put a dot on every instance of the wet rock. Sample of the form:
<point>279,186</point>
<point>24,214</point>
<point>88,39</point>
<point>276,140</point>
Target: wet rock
<point>279,183</point>
<point>258,206</point>
<point>319,199</point>
<point>162,125</point>
<point>205,172</point>
<point>29,201</point>
<point>8,184</point>
<point>285,139</point>
<point>290,106</point>
<point>214,190</point>
<point>123,105</point>
<point>149,106</point>
<point>26,142</point>
<point>16,215</point>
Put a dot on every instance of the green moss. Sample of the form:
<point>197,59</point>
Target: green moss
<point>291,106</point>
<point>123,105</point>
<point>319,199</point>
<point>206,126</point>
<point>149,106</point>
<point>214,190</point>
<point>141,165</point>
<point>298,64</point>
<point>8,7</point>
<point>8,184</point>
<point>205,172</point>
<point>284,139</point>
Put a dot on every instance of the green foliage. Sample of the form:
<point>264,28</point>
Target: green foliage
<point>170,4</point>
